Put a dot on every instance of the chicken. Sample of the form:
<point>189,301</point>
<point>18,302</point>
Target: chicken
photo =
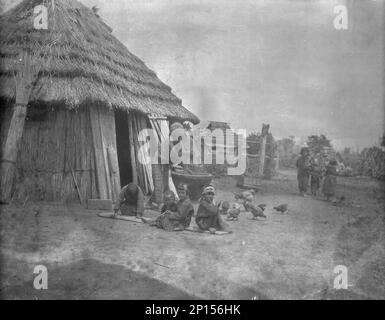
<point>245,198</point>
<point>257,211</point>
<point>249,204</point>
<point>234,212</point>
<point>262,206</point>
<point>339,201</point>
<point>282,208</point>
<point>245,195</point>
<point>224,207</point>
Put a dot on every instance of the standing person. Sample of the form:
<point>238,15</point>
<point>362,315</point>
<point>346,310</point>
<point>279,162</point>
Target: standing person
<point>303,166</point>
<point>130,201</point>
<point>330,182</point>
<point>208,216</point>
<point>315,176</point>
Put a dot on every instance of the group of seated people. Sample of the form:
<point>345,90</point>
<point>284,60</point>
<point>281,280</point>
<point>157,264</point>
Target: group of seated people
<point>175,215</point>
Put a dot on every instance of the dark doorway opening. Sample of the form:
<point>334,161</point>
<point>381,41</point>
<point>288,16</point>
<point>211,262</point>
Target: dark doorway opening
<point>123,147</point>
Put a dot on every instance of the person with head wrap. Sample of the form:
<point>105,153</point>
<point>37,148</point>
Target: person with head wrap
<point>130,201</point>
<point>303,173</point>
<point>208,216</point>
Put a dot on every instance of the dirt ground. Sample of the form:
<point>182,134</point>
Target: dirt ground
<point>289,256</point>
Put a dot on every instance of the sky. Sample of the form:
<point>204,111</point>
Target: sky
<point>251,62</point>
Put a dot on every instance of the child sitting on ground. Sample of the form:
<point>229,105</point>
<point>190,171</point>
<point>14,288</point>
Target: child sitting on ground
<point>169,202</point>
<point>169,207</point>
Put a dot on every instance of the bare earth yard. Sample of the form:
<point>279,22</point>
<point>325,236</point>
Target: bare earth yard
<point>288,256</point>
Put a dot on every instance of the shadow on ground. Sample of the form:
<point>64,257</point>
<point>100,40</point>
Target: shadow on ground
<point>91,279</point>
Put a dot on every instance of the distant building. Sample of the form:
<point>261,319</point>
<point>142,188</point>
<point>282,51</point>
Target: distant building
<point>214,146</point>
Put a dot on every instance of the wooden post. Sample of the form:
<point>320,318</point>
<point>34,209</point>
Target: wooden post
<point>143,181</point>
<point>99,156</point>
<point>27,70</point>
<point>106,166</point>
<point>114,171</point>
<point>383,77</point>
<point>262,154</point>
<point>132,149</point>
<point>277,162</point>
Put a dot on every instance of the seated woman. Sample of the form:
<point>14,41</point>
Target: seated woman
<point>130,201</point>
<point>175,216</point>
<point>208,216</point>
<point>185,209</point>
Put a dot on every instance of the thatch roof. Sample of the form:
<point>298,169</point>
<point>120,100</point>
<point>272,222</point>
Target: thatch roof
<point>81,61</point>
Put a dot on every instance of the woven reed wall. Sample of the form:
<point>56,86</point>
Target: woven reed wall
<point>54,143</point>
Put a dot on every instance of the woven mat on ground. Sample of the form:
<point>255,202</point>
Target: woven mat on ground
<point>196,229</point>
<point>110,215</point>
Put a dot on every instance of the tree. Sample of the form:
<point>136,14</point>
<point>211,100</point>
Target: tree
<point>254,141</point>
<point>286,146</point>
<point>317,143</point>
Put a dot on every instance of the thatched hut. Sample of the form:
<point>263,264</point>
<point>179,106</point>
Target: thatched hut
<point>90,98</point>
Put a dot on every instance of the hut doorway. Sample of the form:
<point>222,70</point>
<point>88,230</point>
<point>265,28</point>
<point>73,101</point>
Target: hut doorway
<point>123,147</point>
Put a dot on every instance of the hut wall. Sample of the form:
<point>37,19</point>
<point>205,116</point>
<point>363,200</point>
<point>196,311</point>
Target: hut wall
<point>54,145</point>
<point>106,158</point>
<point>5,117</point>
<point>107,121</point>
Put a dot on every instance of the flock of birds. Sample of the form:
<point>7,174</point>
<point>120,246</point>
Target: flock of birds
<point>246,198</point>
